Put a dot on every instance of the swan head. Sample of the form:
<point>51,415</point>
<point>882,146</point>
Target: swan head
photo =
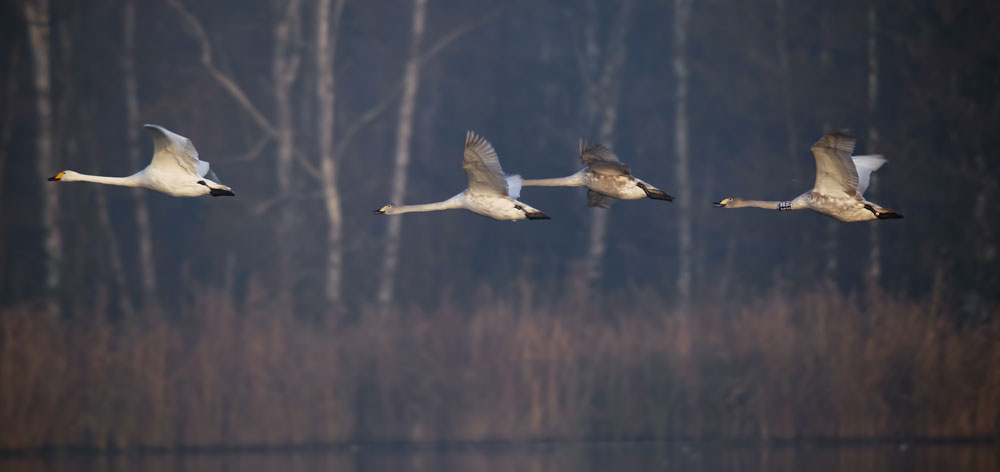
<point>64,176</point>
<point>726,202</point>
<point>384,210</point>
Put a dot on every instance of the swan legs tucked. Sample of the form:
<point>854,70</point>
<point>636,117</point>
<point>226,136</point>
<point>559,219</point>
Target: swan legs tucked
<point>883,213</point>
<point>218,192</point>
<point>655,194</point>
<point>533,215</point>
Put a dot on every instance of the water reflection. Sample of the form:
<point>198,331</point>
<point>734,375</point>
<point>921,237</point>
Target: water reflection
<point>546,457</point>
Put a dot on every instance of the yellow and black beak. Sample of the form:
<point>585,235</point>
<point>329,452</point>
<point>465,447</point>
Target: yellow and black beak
<point>57,177</point>
<point>722,203</point>
<point>381,211</point>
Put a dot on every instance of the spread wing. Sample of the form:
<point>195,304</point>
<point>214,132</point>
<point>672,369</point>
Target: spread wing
<point>174,153</point>
<point>835,171</point>
<point>602,160</point>
<point>865,166</point>
<point>482,165</point>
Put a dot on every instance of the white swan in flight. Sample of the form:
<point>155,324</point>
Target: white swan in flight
<point>606,178</point>
<point>175,170</point>
<point>841,180</point>
<point>490,192</point>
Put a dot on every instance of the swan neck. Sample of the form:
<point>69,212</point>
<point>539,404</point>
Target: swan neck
<point>765,204</point>
<point>449,204</point>
<point>129,181</point>
<point>575,180</point>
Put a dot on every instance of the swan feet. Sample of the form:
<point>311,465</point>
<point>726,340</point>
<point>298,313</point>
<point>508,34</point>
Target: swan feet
<point>655,194</point>
<point>218,192</point>
<point>885,214</point>
<point>533,215</point>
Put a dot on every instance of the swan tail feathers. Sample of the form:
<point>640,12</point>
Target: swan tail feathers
<point>514,183</point>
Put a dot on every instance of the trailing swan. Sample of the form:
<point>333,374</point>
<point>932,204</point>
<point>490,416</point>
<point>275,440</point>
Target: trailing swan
<point>841,180</point>
<point>175,170</point>
<point>606,178</point>
<point>490,192</point>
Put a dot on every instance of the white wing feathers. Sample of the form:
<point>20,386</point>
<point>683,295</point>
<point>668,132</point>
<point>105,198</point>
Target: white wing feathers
<point>173,152</point>
<point>482,166</point>
<point>865,166</point>
<point>835,171</point>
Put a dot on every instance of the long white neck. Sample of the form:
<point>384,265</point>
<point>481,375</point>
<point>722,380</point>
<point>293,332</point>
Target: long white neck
<point>575,180</point>
<point>130,181</point>
<point>795,204</point>
<point>449,204</point>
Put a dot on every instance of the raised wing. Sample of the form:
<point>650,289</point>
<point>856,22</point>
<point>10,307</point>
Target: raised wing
<point>865,165</point>
<point>602,160</point>
<point>175,153</point>
<point>835,171</point>
<point>482,166</point>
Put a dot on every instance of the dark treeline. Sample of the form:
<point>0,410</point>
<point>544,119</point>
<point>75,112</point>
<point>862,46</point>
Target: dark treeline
<point>160,321</point>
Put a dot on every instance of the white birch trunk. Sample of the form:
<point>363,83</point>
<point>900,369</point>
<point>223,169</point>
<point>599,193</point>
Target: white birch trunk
<point>147,264</point>
<point>284,70</point>
<point>826,66</point>
<point>404,131</point>
<point>603,109</point>
<point>326,41</point>
<point>874,243</point>
<point>785,78</point>
<point>684,240</point>
<point>36,13</point>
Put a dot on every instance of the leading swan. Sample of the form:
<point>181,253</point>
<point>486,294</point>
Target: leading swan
<point>490,192</point>
<point>175,170</point>
<point>841,180</point>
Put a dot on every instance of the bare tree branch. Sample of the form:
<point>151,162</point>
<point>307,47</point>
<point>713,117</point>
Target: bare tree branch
<point>441,44</point>
<point>198,32</point>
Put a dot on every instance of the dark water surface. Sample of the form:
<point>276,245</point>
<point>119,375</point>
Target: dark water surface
<point>543,457</point>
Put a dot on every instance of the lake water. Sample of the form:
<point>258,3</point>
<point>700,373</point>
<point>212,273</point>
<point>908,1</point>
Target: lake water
<point>698,457</point>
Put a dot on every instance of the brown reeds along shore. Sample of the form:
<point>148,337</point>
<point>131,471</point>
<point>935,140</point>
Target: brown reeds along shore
<point>813,366</point>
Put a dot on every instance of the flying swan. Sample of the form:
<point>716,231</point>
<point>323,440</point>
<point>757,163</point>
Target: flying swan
<point>840,182</point>
<point>490,192</point>
<point>175,170</point>
<point>606,178</point>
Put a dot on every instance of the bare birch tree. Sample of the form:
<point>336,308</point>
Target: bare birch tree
<point>601,69</point>
<point>326,48</point>
<point>874,243</point>
<point>36,14</point>
<point>284,70</point>
<point>682,13</point>
<point>147,263</point>
<point>6,133</point>
<point>404,132</point>
<point>826,68</point>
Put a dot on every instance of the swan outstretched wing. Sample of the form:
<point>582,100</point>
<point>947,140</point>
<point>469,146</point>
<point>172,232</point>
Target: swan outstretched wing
<point>865,166</point>
<point>602,160</point>
<point>482,165</point>
<point>835,171</point>
<point>175,153</point>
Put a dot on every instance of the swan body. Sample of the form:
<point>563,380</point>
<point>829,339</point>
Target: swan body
<point>606,177</point>
<point>841,181</point>
<point>175,170</point>
<point>490,192</point>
